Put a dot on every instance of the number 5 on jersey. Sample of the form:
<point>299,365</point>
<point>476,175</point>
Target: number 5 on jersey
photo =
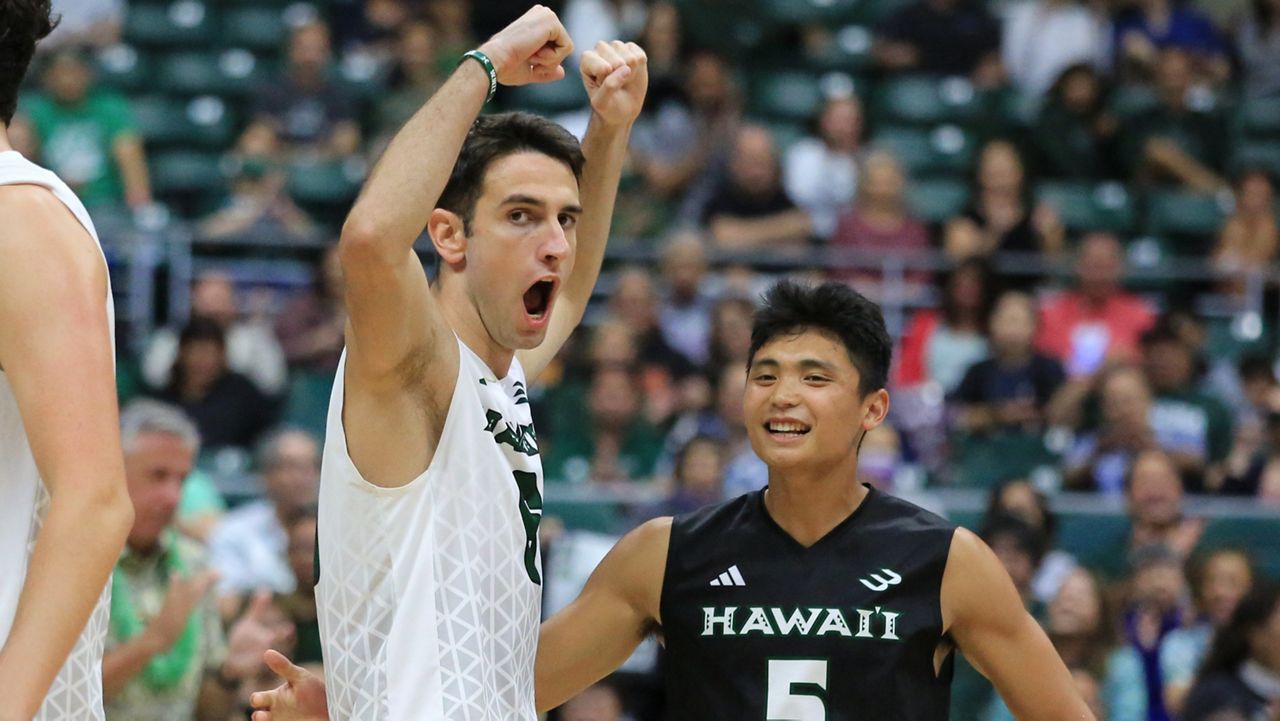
<point>797,690</point>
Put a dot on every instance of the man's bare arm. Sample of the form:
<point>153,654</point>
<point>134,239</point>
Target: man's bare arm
<point>982,612</point>
<point>132,159</point>
<point>55,350</point>
<point>596,633</point>
<point>789,227</point>
<point>617,95</point>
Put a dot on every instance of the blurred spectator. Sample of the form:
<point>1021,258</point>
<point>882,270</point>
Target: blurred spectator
<point>998,218</point>
<point>1011,389</point>
<point>731,320</point>
<point>685,143</point>
<point>697,479</point>
<point>1147,27</point>
<point>744,472</point>
<point>942,37</point>
<point>1254,471</point>
<point>166,656</point>
<point>301,604</point>
<point>413,79</point>
<point>1020,549</point>
<point>1098,320</point>
<point>369,27</point>
<point>636,303</point>
<point>1042,38</point>
<point>661,41</point>
<point>1100,460</point>
<point>598,703</point>
<point>938,346</point>
<point>750,209</point>
<point>1192,426</point>
<point>93,23</point>
<point>880,219</point>
<point>1154,495</point>
<point>258,206</point>
<point>1219,580</point>
<point>1242,672</point>
<point>591,21</point>
<point>307,111</point>
<point>86,135</point>
<point>1155,609</point>
<point>1249,238</point>
<point>1181,140</point>
<point>1258,45</point>
<point>452,20</point>
<point>252,349</point>
<point>227,407</point>
<point>685,314</point>
<point>880,458</point>
<point>820,172</point>
<point>1074,136</point>
<point>1018,498</point>
<point>249,547</point>
<point>312,326</point>
<point>613,442</point>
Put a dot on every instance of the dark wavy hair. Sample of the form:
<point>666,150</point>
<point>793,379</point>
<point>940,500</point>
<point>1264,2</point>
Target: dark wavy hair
<point>23,23</point>
<point>790,308</point>
<point>1231,644</point>
<point>494,137</point>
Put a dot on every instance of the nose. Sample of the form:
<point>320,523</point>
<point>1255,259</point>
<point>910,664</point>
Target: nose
<point>784,394</point>
<point>556,247</point>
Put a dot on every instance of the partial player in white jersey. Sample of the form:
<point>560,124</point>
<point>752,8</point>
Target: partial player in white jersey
<point>64,511</point>
<point>429,584</point>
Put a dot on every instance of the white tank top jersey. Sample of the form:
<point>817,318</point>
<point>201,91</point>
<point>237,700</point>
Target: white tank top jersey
<point>76,693</point>
<point>430,594</point>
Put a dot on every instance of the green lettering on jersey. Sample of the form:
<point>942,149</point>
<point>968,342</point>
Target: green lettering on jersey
<point>531,514</point>
<point>519,437</point>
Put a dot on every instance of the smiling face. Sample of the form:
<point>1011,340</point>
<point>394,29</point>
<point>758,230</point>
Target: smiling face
<point>803,405</point>
<point>520,246</point>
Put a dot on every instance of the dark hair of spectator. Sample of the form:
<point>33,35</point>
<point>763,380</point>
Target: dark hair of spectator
<point>988,288</point>
<point>1055,94</point>
<point>699,440</point>
<point>1256,367</point>
<point>1263,15</point>
<point>1198,566</point>
<point>23,23</point>
<point>493,137</point>
<point>1026,538</point>
<point>995,507</point>
<point>1231,644</point>
<point>199,329</point>
<point>790,308</point>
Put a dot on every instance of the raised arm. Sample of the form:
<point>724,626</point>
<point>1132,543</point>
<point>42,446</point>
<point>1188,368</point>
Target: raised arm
<point>55,351</point>
<point>982,612</point>
<point>395,325</point>
<point>616,76</point>
<point>596,633</point>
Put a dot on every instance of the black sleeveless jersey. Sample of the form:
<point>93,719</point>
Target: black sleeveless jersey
<point>760,628</point>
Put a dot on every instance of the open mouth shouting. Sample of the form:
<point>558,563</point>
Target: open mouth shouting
<point>538,299</point>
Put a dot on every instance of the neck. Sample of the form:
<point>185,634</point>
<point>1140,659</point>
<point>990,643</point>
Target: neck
<point>464,318</point>
<point>4,139</point>
<point>1014,357</point>
<point>808,503</point>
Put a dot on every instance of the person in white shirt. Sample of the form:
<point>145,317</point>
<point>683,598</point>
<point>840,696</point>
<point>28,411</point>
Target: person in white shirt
<point>1041,38</point>
<point>820,173</point>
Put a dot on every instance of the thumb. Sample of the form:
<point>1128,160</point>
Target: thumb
<point>545,74</point>
<point>617,77</point>
<point>283,667</point>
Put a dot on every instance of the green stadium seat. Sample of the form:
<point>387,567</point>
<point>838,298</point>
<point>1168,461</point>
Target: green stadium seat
<point>874,12</point>
<point>561,96</point>
<point>231,73</point>
<point>1260,117</point>
<point>937,200</point>
<point>1098,541</point>
<point>787,95</point>
<point>945,150</point>
<point>1184,215</point>
<point>1019,109</point>
<point>306,404</point>
<point>600,516</point>
<point>184,23</point>
<point>849,50</point>
<point>325,188</point>
<point>919,100</point>
<point>732,31</point>
<point>786,134</point>
<point>1263,154</point>
<point>1260,536</point>
<point>190,182</point>
<point>255,28</point>
<point>983,461</point>
<point>1130,100</point>
<point>826,13</point>
<point>1234,338</point>
<point>1088,206</point>
<point>124,67</point>
<point>164,121</point>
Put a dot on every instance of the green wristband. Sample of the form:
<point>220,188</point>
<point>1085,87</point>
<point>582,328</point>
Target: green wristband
<point>484,60</point>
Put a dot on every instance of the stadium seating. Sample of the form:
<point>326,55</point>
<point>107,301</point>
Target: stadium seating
<point>1084,206</point>
<point>946,150</point>
<point>181,24</point>
<point>920,100</point>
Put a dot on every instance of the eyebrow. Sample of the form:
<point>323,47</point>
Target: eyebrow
<point>519,199</point>
<point>804,363</point>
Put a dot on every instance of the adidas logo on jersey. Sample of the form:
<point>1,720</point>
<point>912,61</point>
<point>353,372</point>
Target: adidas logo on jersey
<point>731,577</point>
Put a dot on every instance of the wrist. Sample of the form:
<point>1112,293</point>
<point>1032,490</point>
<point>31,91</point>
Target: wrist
<point>479,58</point>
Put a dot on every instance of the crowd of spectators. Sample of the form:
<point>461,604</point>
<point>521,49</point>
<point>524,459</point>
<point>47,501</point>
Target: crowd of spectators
<point>1009,177</point>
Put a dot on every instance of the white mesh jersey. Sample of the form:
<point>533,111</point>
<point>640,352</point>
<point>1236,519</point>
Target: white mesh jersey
<point>76,694</point>
<point>430,594</point>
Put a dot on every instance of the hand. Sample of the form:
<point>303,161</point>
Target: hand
<point>1184,538</point>
<point>251,637</point>
<point>183,595</point>
<point>299,698</point>
<point>616,76</point>
<point>530,49</point>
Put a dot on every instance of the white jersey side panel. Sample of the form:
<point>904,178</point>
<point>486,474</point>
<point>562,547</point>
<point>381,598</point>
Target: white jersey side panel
<point>429,595</point>
<point>76,693</point>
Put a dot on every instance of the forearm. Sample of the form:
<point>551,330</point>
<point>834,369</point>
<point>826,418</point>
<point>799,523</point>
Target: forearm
<point>750,233</point>
<point>122,663</point>
<point>133,170</point>
<point>405,185</point>
<point>605,150</point>
<point>74,554</point>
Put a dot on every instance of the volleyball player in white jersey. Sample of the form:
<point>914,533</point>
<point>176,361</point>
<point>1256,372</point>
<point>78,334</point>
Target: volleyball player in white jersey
<point>64,510</point>
<point>429,588</point>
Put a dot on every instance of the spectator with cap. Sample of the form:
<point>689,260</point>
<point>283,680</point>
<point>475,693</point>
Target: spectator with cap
<point>750,209</point>
<point>942,37</point>
<point>820,172</point>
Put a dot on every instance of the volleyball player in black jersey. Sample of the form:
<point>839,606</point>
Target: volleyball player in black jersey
<point>816,599</point>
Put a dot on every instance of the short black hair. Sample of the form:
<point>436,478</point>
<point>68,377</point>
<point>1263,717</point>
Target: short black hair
<point>493,137</point>
<point>790,308</point>
<point>1025,537</point>
<point>200,329</point>
<point>23,23</point>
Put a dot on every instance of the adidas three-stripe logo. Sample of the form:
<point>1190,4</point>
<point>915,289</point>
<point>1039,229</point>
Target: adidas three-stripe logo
<point>731,577</point>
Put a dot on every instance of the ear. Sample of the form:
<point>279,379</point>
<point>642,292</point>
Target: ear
<point>448,235</point>
<point>874,409</point>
